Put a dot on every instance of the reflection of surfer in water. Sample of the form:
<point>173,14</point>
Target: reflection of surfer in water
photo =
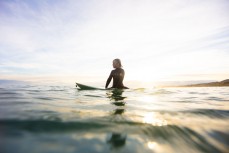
<point>117,74</point>
<point>117,140</point>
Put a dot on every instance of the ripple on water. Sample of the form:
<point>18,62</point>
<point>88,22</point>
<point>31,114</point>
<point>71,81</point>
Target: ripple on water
<point>217,99</point>
<point>113,121</point>
<point>162,92</point>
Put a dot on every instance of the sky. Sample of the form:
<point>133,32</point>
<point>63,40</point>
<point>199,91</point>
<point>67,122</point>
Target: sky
<point>156,40</point>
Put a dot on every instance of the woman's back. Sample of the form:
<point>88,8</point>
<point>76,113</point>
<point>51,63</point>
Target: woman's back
<point>117,75</point>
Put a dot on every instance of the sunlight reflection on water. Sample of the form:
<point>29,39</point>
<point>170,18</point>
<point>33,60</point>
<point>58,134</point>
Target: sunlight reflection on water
<point>151,118</point>
<point>153,145</point>
<point>64,119</point>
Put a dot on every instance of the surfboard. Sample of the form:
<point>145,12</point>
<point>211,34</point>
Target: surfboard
<point>86,87</point>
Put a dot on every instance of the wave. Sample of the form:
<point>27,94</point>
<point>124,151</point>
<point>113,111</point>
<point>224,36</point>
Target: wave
<point>161,91</point>
<point>216,113</point>
<point>8,93</point>
<point>172,134</point>
<point>182,135</point>
<point>212,113</point>
<point>216,99</point>
<point>48,125</point>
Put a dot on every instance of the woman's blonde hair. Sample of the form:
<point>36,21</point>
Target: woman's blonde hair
<point>118,61</point>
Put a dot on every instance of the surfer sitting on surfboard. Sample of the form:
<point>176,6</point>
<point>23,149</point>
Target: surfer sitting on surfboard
<point>117,74</point>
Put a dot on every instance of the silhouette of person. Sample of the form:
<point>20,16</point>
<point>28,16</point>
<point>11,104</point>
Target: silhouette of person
<point>117,75</point>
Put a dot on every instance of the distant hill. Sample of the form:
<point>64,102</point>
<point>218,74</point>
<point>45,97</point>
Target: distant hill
<point>211,84</point>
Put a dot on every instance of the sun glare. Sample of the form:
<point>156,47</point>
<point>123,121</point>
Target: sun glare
<point>153,119</point>
<point>152,145</point>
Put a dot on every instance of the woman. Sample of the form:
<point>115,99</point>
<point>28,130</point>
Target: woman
<point>117,74</point>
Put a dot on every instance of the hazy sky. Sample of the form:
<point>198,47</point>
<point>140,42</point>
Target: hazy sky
<point>155,39</point>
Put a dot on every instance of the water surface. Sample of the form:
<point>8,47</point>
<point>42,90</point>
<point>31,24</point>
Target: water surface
<point>61,118</point>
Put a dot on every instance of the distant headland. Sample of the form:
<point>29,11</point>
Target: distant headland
<point>210,84</point>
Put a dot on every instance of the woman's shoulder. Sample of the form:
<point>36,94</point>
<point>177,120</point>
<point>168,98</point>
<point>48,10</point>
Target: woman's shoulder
<point>121,69</point>
<point>113,71</point>
<point>118,69</point>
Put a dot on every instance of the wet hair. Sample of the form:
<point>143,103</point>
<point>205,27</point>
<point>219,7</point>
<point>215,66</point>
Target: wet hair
<point>118,61</point>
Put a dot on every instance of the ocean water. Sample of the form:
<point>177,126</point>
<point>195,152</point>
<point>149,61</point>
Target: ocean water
<point>62,119</point>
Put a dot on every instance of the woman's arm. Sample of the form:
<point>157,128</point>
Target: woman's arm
<point>109,80</point>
